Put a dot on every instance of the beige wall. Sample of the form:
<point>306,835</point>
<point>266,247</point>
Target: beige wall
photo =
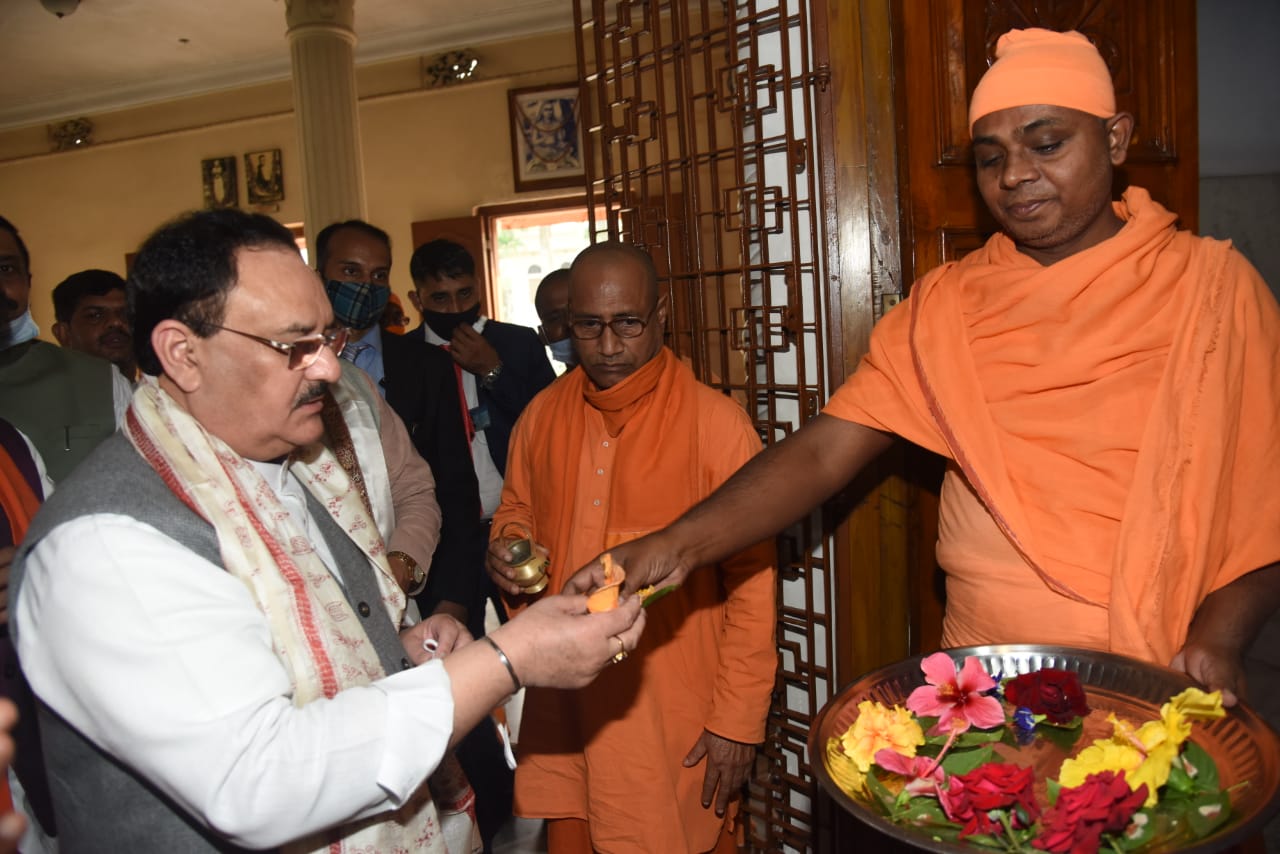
<point>429,153</point>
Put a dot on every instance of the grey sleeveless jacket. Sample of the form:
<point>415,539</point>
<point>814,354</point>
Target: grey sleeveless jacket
<point>101,804</point>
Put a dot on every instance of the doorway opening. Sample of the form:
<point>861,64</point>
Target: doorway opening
<point>527,242</point>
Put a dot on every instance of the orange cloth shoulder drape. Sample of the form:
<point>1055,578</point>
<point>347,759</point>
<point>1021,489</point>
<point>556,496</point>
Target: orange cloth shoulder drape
<point>20,504</point>
<point>1116,414</point>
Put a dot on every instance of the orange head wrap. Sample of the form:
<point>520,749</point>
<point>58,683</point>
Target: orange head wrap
<point>1044,67</point>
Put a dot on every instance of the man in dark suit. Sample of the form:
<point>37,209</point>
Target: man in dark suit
<point>459,382</point>
<point>419,385</point>
<point>498,368</point>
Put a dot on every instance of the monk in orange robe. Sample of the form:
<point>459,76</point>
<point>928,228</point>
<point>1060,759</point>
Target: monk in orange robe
<point>653,755</point>
<point>1103,385</point>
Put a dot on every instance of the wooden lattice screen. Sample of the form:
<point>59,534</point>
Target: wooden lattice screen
<point>701,126</point>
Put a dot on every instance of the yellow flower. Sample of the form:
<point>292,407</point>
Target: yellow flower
<point>878,728</point>
<point>843,770</point>
<point>1145,754</point>
<point>1105,754</point>
<point>1195,703</point>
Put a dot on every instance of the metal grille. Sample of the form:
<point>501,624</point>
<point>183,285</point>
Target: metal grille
<point>701,149</point>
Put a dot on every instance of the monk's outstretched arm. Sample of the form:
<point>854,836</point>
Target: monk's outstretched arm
<point>1224,626</point>
<point>777,487</point>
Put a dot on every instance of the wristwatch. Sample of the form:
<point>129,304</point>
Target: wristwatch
<point>417,575</point>
<point>491,377</point>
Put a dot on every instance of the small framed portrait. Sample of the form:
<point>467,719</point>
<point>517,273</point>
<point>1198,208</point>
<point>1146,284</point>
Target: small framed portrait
<point>546,137</point>
<point>264,177</point>
<point>221,190</point>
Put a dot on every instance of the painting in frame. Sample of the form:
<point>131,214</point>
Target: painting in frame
<point>546,137</point>
<point>263,176</point>
<point>221,189</point>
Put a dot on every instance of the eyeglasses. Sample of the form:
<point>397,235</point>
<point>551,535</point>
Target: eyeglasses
<point>304,352</point>
<point>624,327</point>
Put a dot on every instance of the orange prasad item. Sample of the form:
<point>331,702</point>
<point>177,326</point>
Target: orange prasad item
<point>606,598</point>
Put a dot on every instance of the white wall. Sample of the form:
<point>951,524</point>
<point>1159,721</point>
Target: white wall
<point>1239,71</point>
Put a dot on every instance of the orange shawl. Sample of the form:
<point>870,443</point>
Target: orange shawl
<point>16,497</point>
<point>1116,414</point>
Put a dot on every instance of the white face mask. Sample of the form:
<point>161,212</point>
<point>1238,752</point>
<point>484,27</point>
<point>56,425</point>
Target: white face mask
<point>22,329</point>
<point>562,351</point>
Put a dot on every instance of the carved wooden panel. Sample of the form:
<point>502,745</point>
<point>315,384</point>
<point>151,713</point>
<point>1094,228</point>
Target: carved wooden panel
<point>1136,40</point>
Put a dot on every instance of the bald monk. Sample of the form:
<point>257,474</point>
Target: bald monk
<point>1103,386</point>
<point>654,758</point>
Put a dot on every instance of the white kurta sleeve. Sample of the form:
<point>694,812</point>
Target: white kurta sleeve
<point>164,661</point>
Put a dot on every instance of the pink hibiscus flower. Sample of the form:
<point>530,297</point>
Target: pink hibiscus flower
<point>924,774</point>
<point>957,700</point>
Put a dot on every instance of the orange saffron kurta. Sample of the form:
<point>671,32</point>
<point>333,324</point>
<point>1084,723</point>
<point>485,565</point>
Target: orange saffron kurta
<point>1113,426</point>
<point>589,469</point>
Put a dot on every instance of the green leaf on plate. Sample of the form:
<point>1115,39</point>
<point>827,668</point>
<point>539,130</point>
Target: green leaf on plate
<point>1061,737</point>
<point>1203,772</point>
<point>1208,812</point>
<point>964,761</point>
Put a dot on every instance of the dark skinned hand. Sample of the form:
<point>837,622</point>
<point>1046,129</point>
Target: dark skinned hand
<point>728,763</point>
<point>472,352</point>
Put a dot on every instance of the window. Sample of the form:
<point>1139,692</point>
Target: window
<point>528,239</point>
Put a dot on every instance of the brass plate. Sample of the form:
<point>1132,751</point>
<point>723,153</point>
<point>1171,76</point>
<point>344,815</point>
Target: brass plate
<point>1244,747</point>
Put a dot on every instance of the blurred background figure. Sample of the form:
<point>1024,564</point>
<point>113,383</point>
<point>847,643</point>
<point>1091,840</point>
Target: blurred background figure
<point>92,317</point>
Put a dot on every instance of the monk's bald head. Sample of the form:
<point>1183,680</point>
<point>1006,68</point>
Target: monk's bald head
<point>616,311</point>
<point>615,253</point>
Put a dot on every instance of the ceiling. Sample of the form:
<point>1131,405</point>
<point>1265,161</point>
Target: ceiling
<point>111,54</point>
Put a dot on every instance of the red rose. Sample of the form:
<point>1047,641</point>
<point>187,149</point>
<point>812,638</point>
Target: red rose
<point>1056,694</point>
<point>1103,803</point>
<point>970,798</point>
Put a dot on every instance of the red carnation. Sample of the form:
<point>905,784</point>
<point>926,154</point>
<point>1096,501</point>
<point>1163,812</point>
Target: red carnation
<point>1056,694</point>
<point>1103,803</point>
<point>970,798</point>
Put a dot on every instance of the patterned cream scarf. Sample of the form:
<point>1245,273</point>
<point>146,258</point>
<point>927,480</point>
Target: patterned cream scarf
<point>314,631</point>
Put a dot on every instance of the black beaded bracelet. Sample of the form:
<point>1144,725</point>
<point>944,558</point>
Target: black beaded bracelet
<point>506,662</point>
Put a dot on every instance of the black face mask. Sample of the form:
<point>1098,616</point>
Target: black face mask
<point>443,323</point>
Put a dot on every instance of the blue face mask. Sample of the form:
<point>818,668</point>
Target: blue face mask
<point>357,304</point>
<point>562,351</point>
<point>21,330</point>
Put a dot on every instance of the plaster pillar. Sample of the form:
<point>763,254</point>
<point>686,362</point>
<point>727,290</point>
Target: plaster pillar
<point>322,40</point>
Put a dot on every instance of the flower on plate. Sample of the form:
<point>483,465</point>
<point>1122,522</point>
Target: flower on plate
<point>843,770</point>
<point>923,774</point>
<point>956,699</point>
<point>997,787</point>
<point>1104,803</point>
<point>879,728</point>
<point>1144,755</point>
<point>1056,694</point>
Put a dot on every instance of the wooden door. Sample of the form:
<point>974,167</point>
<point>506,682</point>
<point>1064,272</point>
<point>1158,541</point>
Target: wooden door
<point>469,232</point>
<point>942,49</point>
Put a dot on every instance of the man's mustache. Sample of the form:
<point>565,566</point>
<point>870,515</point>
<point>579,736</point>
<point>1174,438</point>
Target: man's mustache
<point>311,394</point>
<point>8,303</point>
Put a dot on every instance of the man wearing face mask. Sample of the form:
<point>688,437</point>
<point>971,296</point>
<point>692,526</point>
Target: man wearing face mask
<point>354,260</point>
<point>552,302</point>
<point>64,401</point>
<point>499,367</point>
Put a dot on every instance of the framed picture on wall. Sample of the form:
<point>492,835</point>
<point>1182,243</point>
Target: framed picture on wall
<point>220,187</point>
<point>546,137</point>
<point>263,177</point>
